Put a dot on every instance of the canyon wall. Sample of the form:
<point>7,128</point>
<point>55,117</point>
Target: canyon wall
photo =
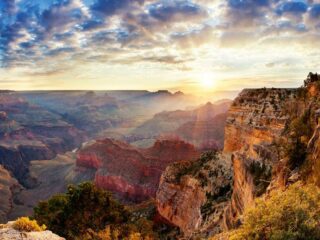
<point>255,121</point>
<point>8,185</point>
<point>132,173</point>
<point>193,195</point>
<point>273,139</point>
<point>29,132</point>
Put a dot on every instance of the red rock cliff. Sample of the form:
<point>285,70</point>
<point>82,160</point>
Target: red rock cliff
<point>131,172</point>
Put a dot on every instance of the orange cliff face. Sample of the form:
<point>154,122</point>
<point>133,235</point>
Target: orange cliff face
<point>129,172</point>
<point>193,195</point>
<point>257,133</point>
<point>255,121</point>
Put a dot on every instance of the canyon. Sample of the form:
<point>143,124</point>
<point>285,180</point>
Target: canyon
<point>269,140</point>
<point>29,132</point>
<point>202,126</point>
<point>131,172</point>
<point>49,139</point>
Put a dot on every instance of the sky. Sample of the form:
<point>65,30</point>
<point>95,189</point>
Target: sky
<point>196,46</point>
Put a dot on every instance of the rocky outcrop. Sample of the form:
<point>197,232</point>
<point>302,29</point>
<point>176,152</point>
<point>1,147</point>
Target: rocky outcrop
<point>114,162</point>
<point>314,154</point>
<point>7,232</point>
<point>272,136</point>
<point>16,159</point>
<point>8,185</point>
<point>193,195</point>
<point>255,121</point>
<point>181,203</point>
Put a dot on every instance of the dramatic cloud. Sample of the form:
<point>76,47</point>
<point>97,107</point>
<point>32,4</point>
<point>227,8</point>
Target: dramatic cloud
<point>175,10</point>
<point>58,36</point>
<point>246,12</point>
<point>292,7</point>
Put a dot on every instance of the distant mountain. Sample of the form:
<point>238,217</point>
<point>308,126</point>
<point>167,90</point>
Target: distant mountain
<point>202,126</point>
<point>95,111</point>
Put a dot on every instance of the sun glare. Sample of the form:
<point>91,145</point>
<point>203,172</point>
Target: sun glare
<point>207,81</point>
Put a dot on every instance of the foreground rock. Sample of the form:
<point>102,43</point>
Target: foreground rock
<point>193,195</point>
<point>273,138</point>
<point>8,233</point>
<point>255,121</point>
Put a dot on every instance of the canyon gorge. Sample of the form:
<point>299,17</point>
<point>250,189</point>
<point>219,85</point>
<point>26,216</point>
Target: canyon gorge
<point>201,167</point>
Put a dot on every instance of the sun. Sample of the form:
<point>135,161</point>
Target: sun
<point>207,81</point>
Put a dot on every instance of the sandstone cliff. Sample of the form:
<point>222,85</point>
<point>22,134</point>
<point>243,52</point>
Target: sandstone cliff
<point>8,185</point>
<point>193,195</point>
<point>273,138</point>
<point>255,121</point>
<point>129,172</point>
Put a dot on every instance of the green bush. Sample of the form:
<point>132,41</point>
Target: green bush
<point>293,214</point>
<point>300,130</point>
<point>261,176</point>
<point>85,211</point>
<point>194,168</point>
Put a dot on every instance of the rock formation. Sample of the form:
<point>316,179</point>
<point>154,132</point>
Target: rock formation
<point>202,126</point>
<point>193,195</point>
<point>7,232</point>
<point>255,120</point>
<point>8,185</point>
<point>273,139</point>
<point>29,132</point>
<point>51,177</point>
<point>130,172</point>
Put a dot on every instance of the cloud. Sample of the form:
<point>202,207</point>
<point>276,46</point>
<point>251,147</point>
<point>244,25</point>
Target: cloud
<point>315,11</point>
<point>236,39</point>
<point>313,19</point>
<point>194,37</point>
<point>246,13</point>
<point>292,7</point>
<point>174,33</point>
<point>7,7</point>
<point>110,7</point>
<point>176,10</point>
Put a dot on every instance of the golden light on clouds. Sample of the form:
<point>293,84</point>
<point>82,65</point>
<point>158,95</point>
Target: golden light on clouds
<point>157,44</point>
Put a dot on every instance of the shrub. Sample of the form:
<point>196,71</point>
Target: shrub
<point>88,213</point>
<point>292,214</point>
<point>261,176</point>
<point>301,130</point>
<point>193,168</point>
<point>24,224</point>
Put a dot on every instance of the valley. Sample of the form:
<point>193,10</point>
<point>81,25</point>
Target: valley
<point>49,140</point>
<point>195,170</point>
